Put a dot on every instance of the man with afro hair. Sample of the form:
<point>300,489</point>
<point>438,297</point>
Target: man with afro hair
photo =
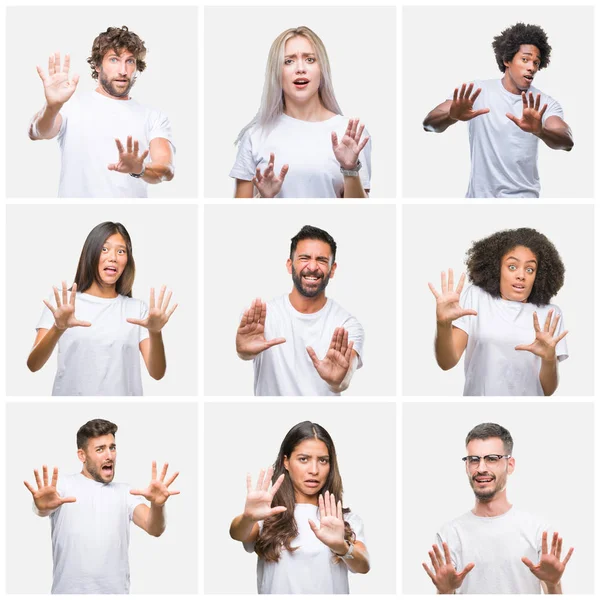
<point>506,118</point>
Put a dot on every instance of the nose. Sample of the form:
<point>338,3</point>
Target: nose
<point>300,66</point>
<point>313,467</point>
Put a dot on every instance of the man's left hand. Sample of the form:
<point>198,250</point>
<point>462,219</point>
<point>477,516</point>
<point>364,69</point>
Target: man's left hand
<point>130,160</point>
<point>333,368</point>
<point>550,568</point>
<point>531,121</point>
<point>157,492</point>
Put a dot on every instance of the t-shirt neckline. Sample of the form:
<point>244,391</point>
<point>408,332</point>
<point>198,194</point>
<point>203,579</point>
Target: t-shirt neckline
<point>305,315</point>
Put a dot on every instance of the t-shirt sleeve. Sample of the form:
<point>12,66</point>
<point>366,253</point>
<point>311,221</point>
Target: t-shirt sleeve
<point>442,536</point>
<point>365,160</point>
<point>160,127</point>
<point>562,351</point>
<point>244,167</point>
<point>356,523</point>
<point>64,114</point>
<point>469,299</point>
<point>143,313</point>
<point>554,108</point>
<point>46,319</point>
<point>132,503</point>
<point>356,334</point>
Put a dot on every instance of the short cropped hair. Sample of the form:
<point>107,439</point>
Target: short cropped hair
<point>508,43</point>
<point>92,429</point>
<point>484,431</point>
<point>308,232</point>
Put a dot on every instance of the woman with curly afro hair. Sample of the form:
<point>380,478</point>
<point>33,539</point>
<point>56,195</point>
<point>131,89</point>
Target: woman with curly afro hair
<point>504,155</point>
<point>515,273</point>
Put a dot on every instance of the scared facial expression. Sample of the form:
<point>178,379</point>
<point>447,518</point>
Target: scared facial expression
<point>99,458</point>
<point>521,70</point>
<point>113,259</point>
<point>301,75</point>
<point>518,269</point>
<point>312,267</point>
<point>117,73</point>
<point>489,478</point>
<point>308,469</point>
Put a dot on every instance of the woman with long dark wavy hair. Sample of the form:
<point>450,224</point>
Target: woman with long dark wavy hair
<point>515,273</point>
<point>99,328</point>
<point>305,540</point>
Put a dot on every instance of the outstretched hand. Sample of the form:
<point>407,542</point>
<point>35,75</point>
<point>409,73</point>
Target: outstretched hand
<point>58,88</point>
<point>444,575</point>
<point>64,313</point>
<point>269,184</point>
<point>447,307</point>
<point>158,491</point>
<point>158,315</point>
<point>130,159</point>
<point>544,344</point>
<point>334,366</point>
<point>461,108</point>
<point>531,121</point>
<point>550,568</point>
<point>331,527</point>
<point>46,496</point>
<point>347,150</point>
<point>250,337</point>
<point>259,500</point>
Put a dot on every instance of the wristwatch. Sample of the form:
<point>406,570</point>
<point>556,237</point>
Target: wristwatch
<point>352,172</point>
<point>348,554</point>
<point>138,175</point>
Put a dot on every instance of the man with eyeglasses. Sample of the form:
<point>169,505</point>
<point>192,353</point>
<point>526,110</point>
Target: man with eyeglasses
<point>495,548</point>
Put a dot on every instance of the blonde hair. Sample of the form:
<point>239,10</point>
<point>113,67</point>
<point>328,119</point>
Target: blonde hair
<point>272,102</point>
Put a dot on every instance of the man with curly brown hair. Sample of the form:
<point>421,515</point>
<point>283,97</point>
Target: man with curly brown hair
<point>105,136</point>
<point>506,118</point>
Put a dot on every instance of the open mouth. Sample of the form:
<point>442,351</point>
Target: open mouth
<point>484,480</point>
<point>301,82</point>
<point>312,483</point>
<point>518,288</point>
<point>107,469</point>
<point>528,78</point>
<point>110,270</point>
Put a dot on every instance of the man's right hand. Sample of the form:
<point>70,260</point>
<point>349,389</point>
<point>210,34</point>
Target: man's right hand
<point>461,108</point>
<point>46,497</point>
<point>250,338</point>
<point>57,86</point>
<point>447,307</point>
<point>445,578</point>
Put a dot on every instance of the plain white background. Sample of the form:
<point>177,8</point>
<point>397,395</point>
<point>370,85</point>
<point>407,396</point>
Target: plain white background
<point>553,477</point>
<point>436,238</point>
<point>254,432</point>
<point>170,83</point>
<point>361,45</point>
<point>45,433</point>
<point>43,251</point>
<point>245,258</point>
<point>438,58</point>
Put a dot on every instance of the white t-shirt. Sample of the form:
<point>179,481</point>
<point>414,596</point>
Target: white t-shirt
<point>306,147</point>
<point>492,365</point>
<point>495,545</point>
<point>90,537</point>
<point>104,359</point>
<point>286,369</point>
<point>311,568</point>
<point>504,158</point>
<point>90,124</point>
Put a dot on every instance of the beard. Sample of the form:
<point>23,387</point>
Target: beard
<point>309,292</point>
<point>97,473</point>
<point>488,494</point>
<point>110,88</point>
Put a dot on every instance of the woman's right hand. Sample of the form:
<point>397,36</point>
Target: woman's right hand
<point>448,308</point>
<point>64,313</point>
<point>269,184</point>
<point>259,500</point>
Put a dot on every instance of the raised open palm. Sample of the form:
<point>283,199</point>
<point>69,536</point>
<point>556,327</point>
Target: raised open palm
<point>158,491</point>
<point>550,568</point>
<point>64,313</point>
<point>544,344</point>
<point>268,183</point>
<point>46,497</point>
<point>250,337</point>
<point>58,88</point>
<point>444,576</point>
<point>259,500</point>
<point>331,521</point>
<point>159,312</point>
<point>531,120</point>
<point>334,366</point>
<point>461,108</point>
<point>350,146</point>
<point>448,307</point>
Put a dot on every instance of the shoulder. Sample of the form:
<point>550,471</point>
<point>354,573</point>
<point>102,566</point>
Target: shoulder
<point>450,527</point>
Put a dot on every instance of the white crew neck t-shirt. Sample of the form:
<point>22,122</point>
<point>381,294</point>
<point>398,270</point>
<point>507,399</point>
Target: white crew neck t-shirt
<point>504,158</point>
<point>286,369</point>
<point>90,537</point>
<point>492,365</point>
<point>104,359</point>
<point>90,124</point>
<point>496,545</point>
<point>306,147</point>
<point>311,568</point>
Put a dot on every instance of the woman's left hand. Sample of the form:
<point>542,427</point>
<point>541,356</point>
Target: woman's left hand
<point>545,343</point>
<point>158,315</point>
<point>331,530</point>
<point>347,150</point>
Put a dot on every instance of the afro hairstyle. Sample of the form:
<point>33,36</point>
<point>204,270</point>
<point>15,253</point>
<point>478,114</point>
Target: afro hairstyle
<point>508,43</point>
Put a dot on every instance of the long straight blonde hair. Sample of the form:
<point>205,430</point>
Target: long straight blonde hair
<point>272,102</point>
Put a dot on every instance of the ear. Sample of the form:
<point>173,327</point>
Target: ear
<point>511,465</point>
<point>507,63</point>
<point>288,264</point>
<point>81,455</point>
<point>286,463</point>
<point>332,272</point>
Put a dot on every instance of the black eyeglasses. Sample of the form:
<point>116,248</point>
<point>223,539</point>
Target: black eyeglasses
<point>490,459</point>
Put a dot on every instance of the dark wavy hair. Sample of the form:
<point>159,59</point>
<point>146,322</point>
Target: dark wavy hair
<point>508,43</point>
<point>280,530</point>
<point>117,39</point>
<point>485,256</point>
<point>87,269</point>
<point>92,429</point>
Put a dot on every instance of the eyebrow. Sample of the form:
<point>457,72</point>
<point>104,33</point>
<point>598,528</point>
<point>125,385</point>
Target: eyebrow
<point>529,54</point>
<point>527,261</point>
<point>303,54</point>
<point>308,256</point>
<point>310,455</point>
<point>115,245</point>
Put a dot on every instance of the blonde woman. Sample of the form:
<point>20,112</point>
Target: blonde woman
<point>299,145</point>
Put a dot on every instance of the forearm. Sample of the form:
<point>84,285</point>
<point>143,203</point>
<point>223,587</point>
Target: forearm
<point>353,187</point>
<point>156,523</point>
<point>438,120</point>
<point>445,350</point>
<point>42,351</point>
<point>241,528</point>
<point>157,361</point>
<point>557,139</point>
<point>157,172</point>
<point>549,376</point>
<point>360,562</point>
<point>42,126</point>
<point>553,589</point>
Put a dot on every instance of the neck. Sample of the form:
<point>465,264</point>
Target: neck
<point>301,498</point>
<point>104,291</point>
<point>307,305</point>
<point>102,91</point>
<point>310,110</point>
<point>509,85</point>
<point>496,506</point>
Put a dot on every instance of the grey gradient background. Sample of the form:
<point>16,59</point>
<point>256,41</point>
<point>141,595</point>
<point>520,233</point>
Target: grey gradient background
<point>553,477</point>
<point>445,46</point>
<point>42,251</point>
<point>364,435</point>
<point>361,45</point>
<point>45,433</point>
<point>170,83</point>
<point>245,258</point>
<point>437,237</point>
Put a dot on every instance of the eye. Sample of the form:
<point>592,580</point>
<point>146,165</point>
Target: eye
<point>131,61</point>
<point>473,460</point>
<point>325,461</point>
<point>104,249</point>
<point>311,60</point>
<point>113,59</point>
<point>512,267</point>
<point>530,270</point>
<point>492,459</point>
<point>287,61</point>
<point>121,251</point>
<point>302,459</point>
